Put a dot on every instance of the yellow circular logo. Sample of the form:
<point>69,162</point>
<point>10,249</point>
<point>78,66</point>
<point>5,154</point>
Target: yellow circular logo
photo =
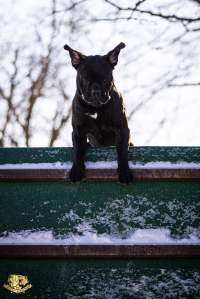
<point>17,283</point>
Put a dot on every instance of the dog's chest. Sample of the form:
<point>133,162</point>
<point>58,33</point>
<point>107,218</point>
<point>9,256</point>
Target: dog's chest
<point>101,119</point>
<point>99,122</point>
<point>101,129</point>
<point>94,116</point>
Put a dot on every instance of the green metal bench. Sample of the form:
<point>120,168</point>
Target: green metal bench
<point>44,200</point>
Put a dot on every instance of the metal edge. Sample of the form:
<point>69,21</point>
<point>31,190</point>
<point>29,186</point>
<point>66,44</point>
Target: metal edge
<point>49,175</point>
<point>99,251</point>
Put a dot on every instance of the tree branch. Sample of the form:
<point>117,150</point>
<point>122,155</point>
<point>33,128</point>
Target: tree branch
<point>185,84</point>
<point>56,132</point>
<point>171,18</point>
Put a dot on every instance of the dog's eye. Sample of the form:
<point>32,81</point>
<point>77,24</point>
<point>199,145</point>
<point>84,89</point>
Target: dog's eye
<point>104,80</point>
<point>85,81</point>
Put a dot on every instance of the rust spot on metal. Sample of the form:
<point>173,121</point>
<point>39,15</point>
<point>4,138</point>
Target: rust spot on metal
<point>99,251</point>
<point>52,175</point>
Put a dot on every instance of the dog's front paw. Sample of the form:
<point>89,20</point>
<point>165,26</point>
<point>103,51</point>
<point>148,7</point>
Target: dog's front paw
<point>125,176</point>
<point>77,173</point>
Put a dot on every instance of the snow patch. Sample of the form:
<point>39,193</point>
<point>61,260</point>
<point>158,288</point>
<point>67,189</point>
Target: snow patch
<point>102,165</point>
<point>160,236</point>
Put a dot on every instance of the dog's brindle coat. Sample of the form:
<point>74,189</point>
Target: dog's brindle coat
<point>98,112</point>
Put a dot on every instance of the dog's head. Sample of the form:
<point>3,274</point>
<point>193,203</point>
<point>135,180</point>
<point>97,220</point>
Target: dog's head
<point>94,75</point>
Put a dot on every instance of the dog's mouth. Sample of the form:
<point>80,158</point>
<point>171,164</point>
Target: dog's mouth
<point>96,100</point>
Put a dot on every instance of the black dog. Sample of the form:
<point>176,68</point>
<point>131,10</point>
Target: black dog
<point>98,112</point>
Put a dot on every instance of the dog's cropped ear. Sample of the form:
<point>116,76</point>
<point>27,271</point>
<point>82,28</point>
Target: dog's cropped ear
<point>76,57</point>
<point>112,56</point>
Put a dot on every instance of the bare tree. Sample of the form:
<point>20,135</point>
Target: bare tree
<point>31,74</point>
<point>180,16</point>
<point>162,55</point>
<point>173,32</point>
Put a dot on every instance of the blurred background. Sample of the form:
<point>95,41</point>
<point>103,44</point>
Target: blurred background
<point>157,73</point>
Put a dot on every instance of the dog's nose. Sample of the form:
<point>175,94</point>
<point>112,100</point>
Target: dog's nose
<point>96,92</point>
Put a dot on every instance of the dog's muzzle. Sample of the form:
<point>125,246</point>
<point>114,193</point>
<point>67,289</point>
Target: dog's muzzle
<point>95,98</point>
<point>96,93</point>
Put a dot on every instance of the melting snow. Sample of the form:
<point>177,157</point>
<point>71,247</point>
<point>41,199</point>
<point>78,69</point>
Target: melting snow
<point>101,165</point>
<point>160,236</point>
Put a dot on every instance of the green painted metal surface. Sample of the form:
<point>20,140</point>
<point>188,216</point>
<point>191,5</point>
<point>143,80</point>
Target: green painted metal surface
<point>101,207</point>
<point>136,154</point>
<point>105,278</point>
<point>69,209</point>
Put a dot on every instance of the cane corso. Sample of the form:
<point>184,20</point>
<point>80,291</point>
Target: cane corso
<point>98,111</point>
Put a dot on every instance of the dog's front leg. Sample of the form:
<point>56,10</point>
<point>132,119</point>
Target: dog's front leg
<point>125,175</point>
<point>77,173</point>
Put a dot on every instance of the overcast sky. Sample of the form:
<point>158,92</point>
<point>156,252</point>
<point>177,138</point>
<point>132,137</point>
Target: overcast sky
<point>172,118</point>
